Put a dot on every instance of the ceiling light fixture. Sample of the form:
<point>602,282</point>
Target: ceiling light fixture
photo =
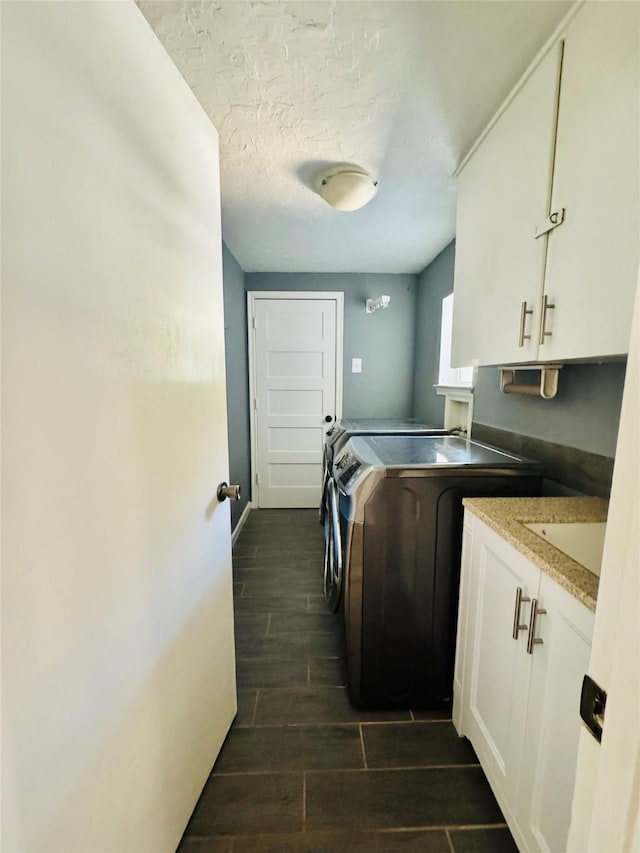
<point>347,187</point>
<point>378,302</point>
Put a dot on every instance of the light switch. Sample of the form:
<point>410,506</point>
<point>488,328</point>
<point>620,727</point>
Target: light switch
<point>356,365</point>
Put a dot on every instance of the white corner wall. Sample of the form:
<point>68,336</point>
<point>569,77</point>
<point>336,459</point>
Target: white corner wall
<point>117,642</point>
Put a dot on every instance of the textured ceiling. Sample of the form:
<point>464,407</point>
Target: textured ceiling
<point>400,88</point>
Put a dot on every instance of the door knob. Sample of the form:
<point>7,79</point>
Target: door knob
<point>328,419</point>
<point>225,491</point>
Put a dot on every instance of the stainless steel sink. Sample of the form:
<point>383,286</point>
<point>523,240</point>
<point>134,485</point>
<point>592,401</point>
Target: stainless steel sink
<point>583,542</point>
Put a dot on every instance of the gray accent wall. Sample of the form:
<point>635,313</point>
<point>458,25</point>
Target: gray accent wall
<point>434,283</point>
<point>384,340</point>
<point>584,415</point>
<point>235,344</point>
<point>400,348</point>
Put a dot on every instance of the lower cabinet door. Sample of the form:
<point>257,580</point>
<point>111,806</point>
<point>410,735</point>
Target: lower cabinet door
<point>553,723</point>
<point>498,665</point>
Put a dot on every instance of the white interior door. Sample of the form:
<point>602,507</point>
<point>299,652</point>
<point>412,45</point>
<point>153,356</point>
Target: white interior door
<point>296,367</point>
<point>118,681</point>
<point>606,805</point>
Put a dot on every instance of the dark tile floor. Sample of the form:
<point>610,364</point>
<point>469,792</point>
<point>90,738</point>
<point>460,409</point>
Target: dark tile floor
<point>302,769</point>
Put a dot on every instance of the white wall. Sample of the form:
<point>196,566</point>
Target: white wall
<point>117,653</point>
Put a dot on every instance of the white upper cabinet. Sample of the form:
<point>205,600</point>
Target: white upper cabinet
<point>504,188</point>
<point>567,142</point>
<point>592,260</point>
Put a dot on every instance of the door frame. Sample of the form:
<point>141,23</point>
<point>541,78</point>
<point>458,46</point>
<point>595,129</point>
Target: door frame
<point>252,296</point>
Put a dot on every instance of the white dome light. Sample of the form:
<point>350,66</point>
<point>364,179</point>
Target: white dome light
<point>347,187</point>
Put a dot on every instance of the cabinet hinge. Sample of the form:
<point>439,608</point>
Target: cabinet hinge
<point>253,322</point>
<point>255,403</point>
<point>257,479</point>
<point>552,221</point>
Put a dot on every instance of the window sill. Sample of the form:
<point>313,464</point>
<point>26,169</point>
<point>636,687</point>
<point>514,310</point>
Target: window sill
<point>464,393</point>
<point>458,406</point>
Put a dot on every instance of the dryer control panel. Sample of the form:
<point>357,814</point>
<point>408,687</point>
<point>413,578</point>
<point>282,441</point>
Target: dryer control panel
<point>353,464</point>
<point>346,467</point>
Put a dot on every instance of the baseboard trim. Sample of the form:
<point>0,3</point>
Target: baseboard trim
<point>241,522</point>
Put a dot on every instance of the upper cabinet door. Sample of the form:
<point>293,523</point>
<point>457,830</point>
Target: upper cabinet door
<point>503,192</point>
<point>592,261</point>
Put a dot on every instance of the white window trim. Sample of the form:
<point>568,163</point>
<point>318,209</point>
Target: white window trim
<point>450,377</point>
<point>457,391</point>
<point>462,393</point>
<point>458,406</point>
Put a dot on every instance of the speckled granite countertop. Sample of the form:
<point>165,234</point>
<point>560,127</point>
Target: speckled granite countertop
<point>507,516</point>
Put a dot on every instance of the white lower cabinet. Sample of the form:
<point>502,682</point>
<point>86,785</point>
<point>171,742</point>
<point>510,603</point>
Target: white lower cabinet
<point>517,699</point>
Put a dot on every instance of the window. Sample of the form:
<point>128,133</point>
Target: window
<point>455,384</point>
<point>460,377</point>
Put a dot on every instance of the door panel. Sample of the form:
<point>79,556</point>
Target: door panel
<point>291,439</point>
<point>295,364</point>
<point>501,667</point>
<point>294,403</point>
<point>553,720</point>
<point>295,367</point>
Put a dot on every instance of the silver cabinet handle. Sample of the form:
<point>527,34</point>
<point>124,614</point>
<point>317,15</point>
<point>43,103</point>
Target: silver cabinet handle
<point>517,627</point>
<point>225,491</point>
<point>546,306</point>
<point>531,639</point>
<point>523,319</point>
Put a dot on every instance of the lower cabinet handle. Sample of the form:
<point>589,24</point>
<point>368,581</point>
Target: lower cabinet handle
<point>517,627</point>
<point>531,639</point>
